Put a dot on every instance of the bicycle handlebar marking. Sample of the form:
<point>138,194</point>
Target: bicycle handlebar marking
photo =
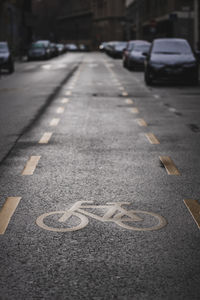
<point>115,213</point>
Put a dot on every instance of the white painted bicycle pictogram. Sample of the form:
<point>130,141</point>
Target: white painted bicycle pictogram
<point>128,219</point>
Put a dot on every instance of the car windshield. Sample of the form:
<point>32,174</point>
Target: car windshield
<point>141,48</point>
<point>37,45</point>
<point>120,45</point>
<point>3,48</point>
<point>171,47</point>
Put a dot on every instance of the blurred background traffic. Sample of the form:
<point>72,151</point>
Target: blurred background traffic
<point>43,29</point>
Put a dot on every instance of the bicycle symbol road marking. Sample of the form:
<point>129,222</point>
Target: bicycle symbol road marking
<point>136,220</point>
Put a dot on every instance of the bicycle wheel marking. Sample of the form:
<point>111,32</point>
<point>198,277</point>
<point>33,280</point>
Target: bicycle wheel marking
<point>40,222</point>
<point>135,220</point>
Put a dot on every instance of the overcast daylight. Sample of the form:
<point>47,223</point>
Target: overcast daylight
<point>99,149</point>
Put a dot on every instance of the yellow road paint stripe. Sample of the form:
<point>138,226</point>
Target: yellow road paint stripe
<point>64,100</point>
<point>141,123</point>
<point>68,93</point>
<point>194,208</point>
<point>60,110</point>
<point>45,138</point>
<point>129,101</point>
<point>169,165</point>
<point>7,211</point>
<point>31,165</point>
<point>54,122</point>
<point>135,110</point>
<point>152,139</point>
<point>124,94</point>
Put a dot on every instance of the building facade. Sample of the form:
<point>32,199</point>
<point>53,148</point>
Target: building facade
<point>88,22</point>
<point>74,22</point>
<point>162,18</point>
<point>108,20</point>
<point>16,24</point>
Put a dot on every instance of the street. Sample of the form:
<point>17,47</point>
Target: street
<point>99,183</point>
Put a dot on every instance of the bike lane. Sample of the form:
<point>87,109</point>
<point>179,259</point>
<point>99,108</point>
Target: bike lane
<point>96,152</point>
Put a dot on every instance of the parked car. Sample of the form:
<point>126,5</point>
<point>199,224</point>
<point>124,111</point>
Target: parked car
<point>102,46</point>
<point>54,50</point>
<point>117,49</point>
<point>109,47</point>
<point>6,58</point>
<point>71,47</point>
<point>61,48</point>
<point>38,50</point>
<point>83,48</point>
<point>137,55</point>
<point>129,48</point>
<point>171,58</point>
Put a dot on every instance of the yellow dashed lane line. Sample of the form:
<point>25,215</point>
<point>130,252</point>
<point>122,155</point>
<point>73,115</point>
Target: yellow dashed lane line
<point>31,165</point>
<point>169,165</point>
<point>194,208</point>
<point>7,211</point>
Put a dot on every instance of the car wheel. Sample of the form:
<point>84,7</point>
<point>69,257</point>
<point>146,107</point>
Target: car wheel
<point>195,80</point>
<point>11,69</point>
<point>148,80</point>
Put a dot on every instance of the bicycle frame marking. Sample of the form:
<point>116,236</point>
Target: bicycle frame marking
<point>115,213</point>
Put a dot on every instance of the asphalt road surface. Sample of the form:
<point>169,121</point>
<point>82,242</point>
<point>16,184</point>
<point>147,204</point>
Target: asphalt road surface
<point>99,183</point>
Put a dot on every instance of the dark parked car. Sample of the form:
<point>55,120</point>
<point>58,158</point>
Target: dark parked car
<point>117,49</point>
<point>129,48</point>
<point>71,47</point>
<point>137,55</point>
<point>61,48</point>
<point>54,50</point>
<point>171,58</point>
<point>39,50</point>
<point>102,46</point>
<point>6,59</point>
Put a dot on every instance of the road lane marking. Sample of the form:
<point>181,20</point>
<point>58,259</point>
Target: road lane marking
<point>68,93</point>
<point>169,165</point>
<point>194,208</point>
<point>152,138</point>
<point>129,101</point>
<point>46,67</point>
<point>7,211</point>
<point>136,220</point>
<point>141,122</point>
<point>31,165</point>
<point>60,110</point>
<point>64,100</point>
<point>124,94</point>
<point>45,138</point>
<point>134,110</point>
<point>54,122</point>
